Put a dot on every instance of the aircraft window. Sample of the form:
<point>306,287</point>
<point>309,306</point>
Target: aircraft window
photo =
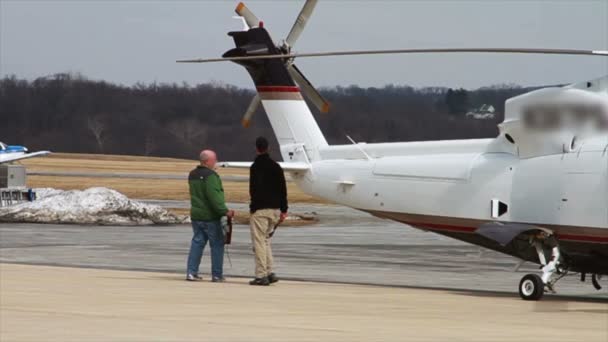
<point>542,118</point>
<point>588,118</point>
<point>602,122</point>
<point>551,119</point>
<point>578,117</point>
<point>599,118</point>
<point>581,113</point>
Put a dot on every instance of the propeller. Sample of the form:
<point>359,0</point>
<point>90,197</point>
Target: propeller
<point>305,86</point>
<point>300,23</point>
<point>308,90</point>
<point>405,51</point>
<point>245,12</point>
<point>253,107</point>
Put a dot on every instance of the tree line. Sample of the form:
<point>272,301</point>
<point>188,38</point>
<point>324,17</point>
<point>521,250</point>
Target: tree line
<point>70,113</point>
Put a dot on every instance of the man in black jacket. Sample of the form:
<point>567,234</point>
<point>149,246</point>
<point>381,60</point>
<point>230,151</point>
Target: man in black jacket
<point>268,209</point>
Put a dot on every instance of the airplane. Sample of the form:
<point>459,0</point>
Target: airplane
<point>538,191</point>
<point>11,153</point>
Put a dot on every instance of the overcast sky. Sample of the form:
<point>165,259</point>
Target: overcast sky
<point>138,41</point>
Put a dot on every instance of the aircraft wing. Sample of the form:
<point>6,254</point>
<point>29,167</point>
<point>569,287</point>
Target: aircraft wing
<point>11,157</point>
<point>287,167</point>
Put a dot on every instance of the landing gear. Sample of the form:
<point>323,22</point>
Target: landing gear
<point>531,287</point>
<point>551,271</point>
<point>595,280</point>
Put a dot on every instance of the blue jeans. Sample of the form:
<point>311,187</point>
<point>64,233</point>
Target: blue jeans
<point>207,231</point>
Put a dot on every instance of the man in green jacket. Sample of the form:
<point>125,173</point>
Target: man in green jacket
<point>207,208</point>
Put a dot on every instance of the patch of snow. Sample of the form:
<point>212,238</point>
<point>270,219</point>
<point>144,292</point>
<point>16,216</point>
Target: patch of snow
<point>46,192</point>
<point>101,206</point>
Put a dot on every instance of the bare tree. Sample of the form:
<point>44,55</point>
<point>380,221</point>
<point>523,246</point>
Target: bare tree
<point>97,125</point>
<point>176,120</point>
<point>150,139</point>
<point>188,131</point>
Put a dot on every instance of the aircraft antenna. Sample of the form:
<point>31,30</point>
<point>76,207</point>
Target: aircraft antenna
<point>359,147</point>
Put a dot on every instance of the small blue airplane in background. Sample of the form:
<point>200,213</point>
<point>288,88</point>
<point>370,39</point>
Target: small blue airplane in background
<point>11,153</point>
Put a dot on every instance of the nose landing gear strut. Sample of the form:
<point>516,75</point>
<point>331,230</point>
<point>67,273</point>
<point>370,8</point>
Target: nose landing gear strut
<point>533,286</point>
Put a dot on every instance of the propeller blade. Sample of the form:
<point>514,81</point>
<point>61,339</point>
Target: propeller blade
<point>250,18</point>
<point>307,88</point>
<point>300,23</point>
<point>253,106</point>
<point>408,51</point>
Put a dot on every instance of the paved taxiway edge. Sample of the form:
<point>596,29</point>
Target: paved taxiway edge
<point>59,303</point>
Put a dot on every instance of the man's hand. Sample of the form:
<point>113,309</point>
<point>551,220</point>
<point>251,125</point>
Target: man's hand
<point>230,213</point>
<point>282,217</point>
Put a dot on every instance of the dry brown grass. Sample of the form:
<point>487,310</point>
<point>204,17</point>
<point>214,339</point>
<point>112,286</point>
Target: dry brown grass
<point>142,188</point>
<point>104,163</point>
<point>163,189</point>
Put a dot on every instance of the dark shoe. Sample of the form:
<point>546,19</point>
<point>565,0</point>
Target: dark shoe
<point>260,281</point>
<point>193,277</point>
<point>218,279</point>
<point>272,278</point>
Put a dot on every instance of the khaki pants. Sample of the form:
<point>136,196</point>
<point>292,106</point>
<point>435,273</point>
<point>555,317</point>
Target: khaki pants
<point>262,222</point>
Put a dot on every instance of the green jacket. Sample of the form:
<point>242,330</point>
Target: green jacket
<point>207,201</point>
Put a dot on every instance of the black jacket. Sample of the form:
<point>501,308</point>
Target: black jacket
<point>267,185</point>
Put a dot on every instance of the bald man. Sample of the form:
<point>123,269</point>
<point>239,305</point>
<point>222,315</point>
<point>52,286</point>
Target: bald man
<point>207,208</point>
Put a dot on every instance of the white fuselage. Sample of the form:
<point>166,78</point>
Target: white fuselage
<point>458,180</point>
<point>545,169</point>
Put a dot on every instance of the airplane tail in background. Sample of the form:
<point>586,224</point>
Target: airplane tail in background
<point>280,84</point>
<point>297,132</point>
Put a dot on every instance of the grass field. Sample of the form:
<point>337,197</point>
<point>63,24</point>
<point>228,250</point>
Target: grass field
<point>105,163</point>
<point>166,189</point>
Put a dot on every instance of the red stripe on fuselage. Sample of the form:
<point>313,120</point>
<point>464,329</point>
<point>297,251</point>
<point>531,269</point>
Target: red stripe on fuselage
<point>278,89</point>
<point>586,238</point>
<point>443,227</point>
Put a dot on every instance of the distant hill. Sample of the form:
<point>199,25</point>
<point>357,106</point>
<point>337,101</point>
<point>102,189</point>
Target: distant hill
<point>70,113</point>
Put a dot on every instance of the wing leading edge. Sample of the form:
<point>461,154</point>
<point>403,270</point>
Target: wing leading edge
<point>11,157</point>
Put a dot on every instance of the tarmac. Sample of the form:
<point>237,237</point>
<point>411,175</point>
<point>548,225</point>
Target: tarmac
<point>346,246</point>
<point>77,304</point>
<point>352,277</point>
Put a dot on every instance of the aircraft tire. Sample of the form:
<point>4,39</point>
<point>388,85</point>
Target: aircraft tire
<point>531,287</point>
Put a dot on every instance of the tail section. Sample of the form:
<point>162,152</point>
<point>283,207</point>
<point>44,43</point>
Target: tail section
<point>292,122</point>
<point>296,130</point>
